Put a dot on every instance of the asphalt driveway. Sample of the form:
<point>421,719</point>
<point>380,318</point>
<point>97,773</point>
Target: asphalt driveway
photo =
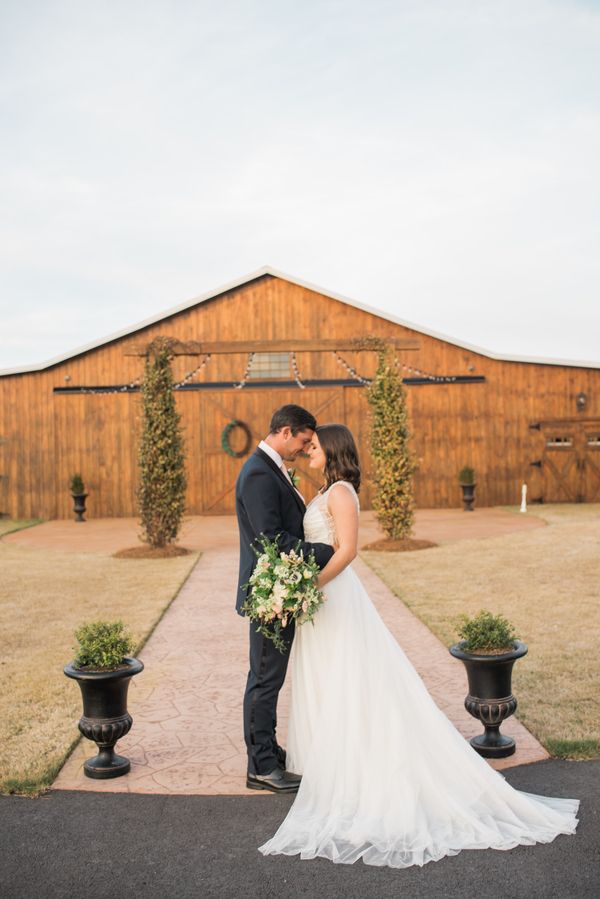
<point>76,844</point>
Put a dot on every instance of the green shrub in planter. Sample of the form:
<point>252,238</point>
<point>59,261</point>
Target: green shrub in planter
<point>77,486</point>
<point>102,645</point>
<point>486,632</point>
<point>488,650</point>
<point>103,670</point>
<point>466,476</point>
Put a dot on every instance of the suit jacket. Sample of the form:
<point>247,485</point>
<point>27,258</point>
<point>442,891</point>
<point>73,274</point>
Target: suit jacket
<point>266,503</point>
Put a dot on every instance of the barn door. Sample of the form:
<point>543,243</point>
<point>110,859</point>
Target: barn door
<point>591,462</point>
<point>569,466</point>
<point>216,470</point>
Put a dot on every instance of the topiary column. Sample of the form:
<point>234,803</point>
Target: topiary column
<point>161,493</point>
<point>393,461</point>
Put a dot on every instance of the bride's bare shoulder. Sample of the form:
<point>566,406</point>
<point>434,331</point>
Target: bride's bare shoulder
<point>341,493</point>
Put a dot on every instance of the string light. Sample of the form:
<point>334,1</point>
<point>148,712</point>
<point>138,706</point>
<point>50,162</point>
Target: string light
<point>125,388</point>
<point>430,377</point>
<point>350,370</point>
<point>407,368</point>
<point>192,374</point>
<point>135,384</point>
<point>297,378</point>
<point>244,380</point>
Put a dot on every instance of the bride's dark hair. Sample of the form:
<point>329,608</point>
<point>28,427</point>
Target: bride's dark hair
<point>341,455</point>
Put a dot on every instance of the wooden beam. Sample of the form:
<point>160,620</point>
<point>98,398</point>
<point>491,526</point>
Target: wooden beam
<point>228,347</point>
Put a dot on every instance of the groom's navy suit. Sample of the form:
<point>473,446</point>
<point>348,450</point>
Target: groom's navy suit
<point>266,503</point>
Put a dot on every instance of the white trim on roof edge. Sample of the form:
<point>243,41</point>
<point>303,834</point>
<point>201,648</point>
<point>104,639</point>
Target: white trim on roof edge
<point>268,270</point>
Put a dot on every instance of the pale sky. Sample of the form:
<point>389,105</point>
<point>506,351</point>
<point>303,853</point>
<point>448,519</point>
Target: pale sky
<point>437,160</point>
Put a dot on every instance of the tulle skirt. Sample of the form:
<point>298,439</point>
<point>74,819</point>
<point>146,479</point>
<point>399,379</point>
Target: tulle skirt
<point>385,776</point>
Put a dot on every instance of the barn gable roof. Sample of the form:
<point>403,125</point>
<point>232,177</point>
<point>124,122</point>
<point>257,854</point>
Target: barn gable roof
<point>268,270</point>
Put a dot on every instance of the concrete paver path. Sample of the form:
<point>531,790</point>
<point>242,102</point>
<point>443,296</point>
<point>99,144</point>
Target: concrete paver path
<point>186,705</point>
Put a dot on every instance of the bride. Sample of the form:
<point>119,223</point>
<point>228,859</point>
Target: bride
<point>385,775</point>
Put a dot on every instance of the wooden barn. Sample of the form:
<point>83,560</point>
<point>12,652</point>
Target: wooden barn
<point>269,339</point>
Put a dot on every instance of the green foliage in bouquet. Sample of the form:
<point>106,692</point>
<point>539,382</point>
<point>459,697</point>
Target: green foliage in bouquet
<point>161,493</point>
<point>102,644</point>
<point>282,588</point>
<point>486,632</point>
<point>393,460</point>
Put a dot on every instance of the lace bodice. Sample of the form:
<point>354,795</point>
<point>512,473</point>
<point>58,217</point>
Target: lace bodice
<point>319,526</point>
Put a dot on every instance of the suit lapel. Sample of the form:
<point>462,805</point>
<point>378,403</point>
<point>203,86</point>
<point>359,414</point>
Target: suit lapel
<point>266,458</point>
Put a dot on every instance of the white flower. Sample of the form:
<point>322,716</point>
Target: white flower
<point>279,591</point>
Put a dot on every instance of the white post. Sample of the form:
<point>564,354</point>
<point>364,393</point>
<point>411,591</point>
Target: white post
<point>523,498</point>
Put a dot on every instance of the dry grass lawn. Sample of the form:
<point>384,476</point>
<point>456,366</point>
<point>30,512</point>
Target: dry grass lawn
<point>8,525</point>
<point>547,582</point>
<point>44,596</point>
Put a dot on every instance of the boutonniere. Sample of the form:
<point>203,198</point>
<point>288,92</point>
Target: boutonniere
<point>293,476</point>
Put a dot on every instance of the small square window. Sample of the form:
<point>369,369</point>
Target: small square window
<point>269,365</point>
<point>559,441</point>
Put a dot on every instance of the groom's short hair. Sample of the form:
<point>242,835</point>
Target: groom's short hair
<point>294,417</point>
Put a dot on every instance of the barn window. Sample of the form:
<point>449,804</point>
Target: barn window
<point>593,440</point>
<point>270,365</point>
<point>559,441</point>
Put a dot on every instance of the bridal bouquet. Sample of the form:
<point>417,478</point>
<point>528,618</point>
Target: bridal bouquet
<point>283,587</point>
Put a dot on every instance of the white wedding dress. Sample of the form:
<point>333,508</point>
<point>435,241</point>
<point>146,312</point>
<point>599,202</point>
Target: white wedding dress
<point>385,776</point>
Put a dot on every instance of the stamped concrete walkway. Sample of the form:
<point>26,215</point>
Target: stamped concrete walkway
<point>187,735</point>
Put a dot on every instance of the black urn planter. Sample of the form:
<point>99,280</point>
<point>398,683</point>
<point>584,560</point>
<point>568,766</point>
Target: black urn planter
<point>490,697</point>
<point>79,505</point>
<point>105,717</point>
<point>468,495</point>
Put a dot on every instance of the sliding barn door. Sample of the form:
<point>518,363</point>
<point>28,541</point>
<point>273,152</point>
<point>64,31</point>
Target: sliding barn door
<point>212,472</point>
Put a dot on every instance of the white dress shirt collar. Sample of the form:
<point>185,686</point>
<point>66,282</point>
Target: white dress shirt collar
<point>272,453</point>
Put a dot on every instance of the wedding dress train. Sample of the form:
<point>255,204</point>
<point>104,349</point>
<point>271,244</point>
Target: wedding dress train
<point>385,776</point>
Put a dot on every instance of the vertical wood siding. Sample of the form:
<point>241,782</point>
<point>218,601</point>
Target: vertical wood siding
<point>47,437</point>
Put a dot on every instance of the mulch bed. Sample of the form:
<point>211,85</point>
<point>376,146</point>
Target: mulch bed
<point>405,545</point>
<point>151,552</point>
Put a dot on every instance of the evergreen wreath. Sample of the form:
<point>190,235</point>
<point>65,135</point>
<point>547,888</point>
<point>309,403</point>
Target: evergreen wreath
<point>225,439</point>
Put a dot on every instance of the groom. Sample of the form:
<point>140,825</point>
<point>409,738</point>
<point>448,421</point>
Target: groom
<point>268,503</point>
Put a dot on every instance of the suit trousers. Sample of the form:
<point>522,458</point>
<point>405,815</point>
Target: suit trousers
<point>268,667</point>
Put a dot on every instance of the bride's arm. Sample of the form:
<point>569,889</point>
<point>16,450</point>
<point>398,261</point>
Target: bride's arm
<point>342,507</point>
